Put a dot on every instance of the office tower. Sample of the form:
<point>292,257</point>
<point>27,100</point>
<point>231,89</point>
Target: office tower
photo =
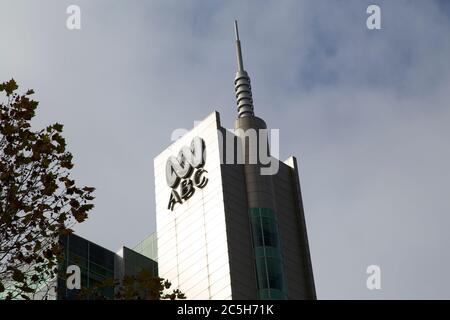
<point>229,226</point>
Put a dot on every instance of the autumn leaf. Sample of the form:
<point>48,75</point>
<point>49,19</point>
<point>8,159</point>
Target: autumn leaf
<point>9,87</point>
<point>18,275</point>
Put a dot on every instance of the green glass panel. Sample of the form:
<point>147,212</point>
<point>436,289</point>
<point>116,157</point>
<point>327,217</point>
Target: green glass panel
<point>271,294</point>
<point>261,273</point>
<point>270,232</point>
<point>267,250</point>
<point>275,273</point>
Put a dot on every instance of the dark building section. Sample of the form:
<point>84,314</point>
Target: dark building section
<point>293,240</point>
<point>130,263</point>
<point>276,239</point>
<point>242,270</point>
<point>97,265</point>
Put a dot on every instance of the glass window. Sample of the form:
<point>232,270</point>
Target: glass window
<point>274,273</point>
<point>270,232</point>
<point>261,273</point>
<point>268,258</point>
<point>257,232</point>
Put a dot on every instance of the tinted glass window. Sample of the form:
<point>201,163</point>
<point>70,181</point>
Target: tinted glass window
<point>262,273</point>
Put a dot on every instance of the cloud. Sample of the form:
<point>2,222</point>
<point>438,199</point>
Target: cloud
<point>365,111</point>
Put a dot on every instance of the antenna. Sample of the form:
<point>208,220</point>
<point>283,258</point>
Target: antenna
<point>238,47</point>
<point>242,86</point>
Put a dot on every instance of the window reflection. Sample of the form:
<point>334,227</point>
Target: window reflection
<point>268,260</point>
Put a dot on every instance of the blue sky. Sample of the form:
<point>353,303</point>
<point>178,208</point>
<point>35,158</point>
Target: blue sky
<point>366,112</point>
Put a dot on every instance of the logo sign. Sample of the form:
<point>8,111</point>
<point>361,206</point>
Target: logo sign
<point>185,172</point>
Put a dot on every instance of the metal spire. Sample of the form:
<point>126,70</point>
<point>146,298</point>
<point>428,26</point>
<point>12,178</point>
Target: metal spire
<point>242,86</point>
<point>238,47</point>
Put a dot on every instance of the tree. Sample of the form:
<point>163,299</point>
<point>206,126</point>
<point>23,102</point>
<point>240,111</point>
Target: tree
<point>147,287</point>
<point>38,200</point>
<point>142,286</point>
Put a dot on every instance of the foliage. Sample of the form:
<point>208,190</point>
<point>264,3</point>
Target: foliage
<point>38,200</point>
<point>142,286</point>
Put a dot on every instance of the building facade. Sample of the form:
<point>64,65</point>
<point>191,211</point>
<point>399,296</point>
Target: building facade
<point>95,262</point>
<point>96,265</point>
<point>226,229</point>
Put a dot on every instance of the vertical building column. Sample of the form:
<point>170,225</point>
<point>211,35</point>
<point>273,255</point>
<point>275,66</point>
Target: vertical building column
<point>267,251</point>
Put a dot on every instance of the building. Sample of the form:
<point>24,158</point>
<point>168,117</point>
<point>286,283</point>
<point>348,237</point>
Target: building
<point>148,247</point>
<point>95,265</point>
<point>229,226</point>
<point>95,262</point>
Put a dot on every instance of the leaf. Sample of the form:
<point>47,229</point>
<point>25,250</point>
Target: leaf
<point>9,87</point>
<point>37,246</point>
<point>65,231</point>
<point>167,284</point>
<point>18,275</point>
<point>86,207</point>
<point>67,182</point>
<point>89,189</point>
<point>74,203</point>
<point>80,216</point>
<point>58,127</point>
<point>48,254</point>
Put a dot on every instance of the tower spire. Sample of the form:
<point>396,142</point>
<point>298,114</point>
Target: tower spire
<point>242,85</point>
<point>238,47</point>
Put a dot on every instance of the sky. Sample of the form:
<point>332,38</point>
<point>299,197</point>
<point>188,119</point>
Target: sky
<point>366,112</point>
